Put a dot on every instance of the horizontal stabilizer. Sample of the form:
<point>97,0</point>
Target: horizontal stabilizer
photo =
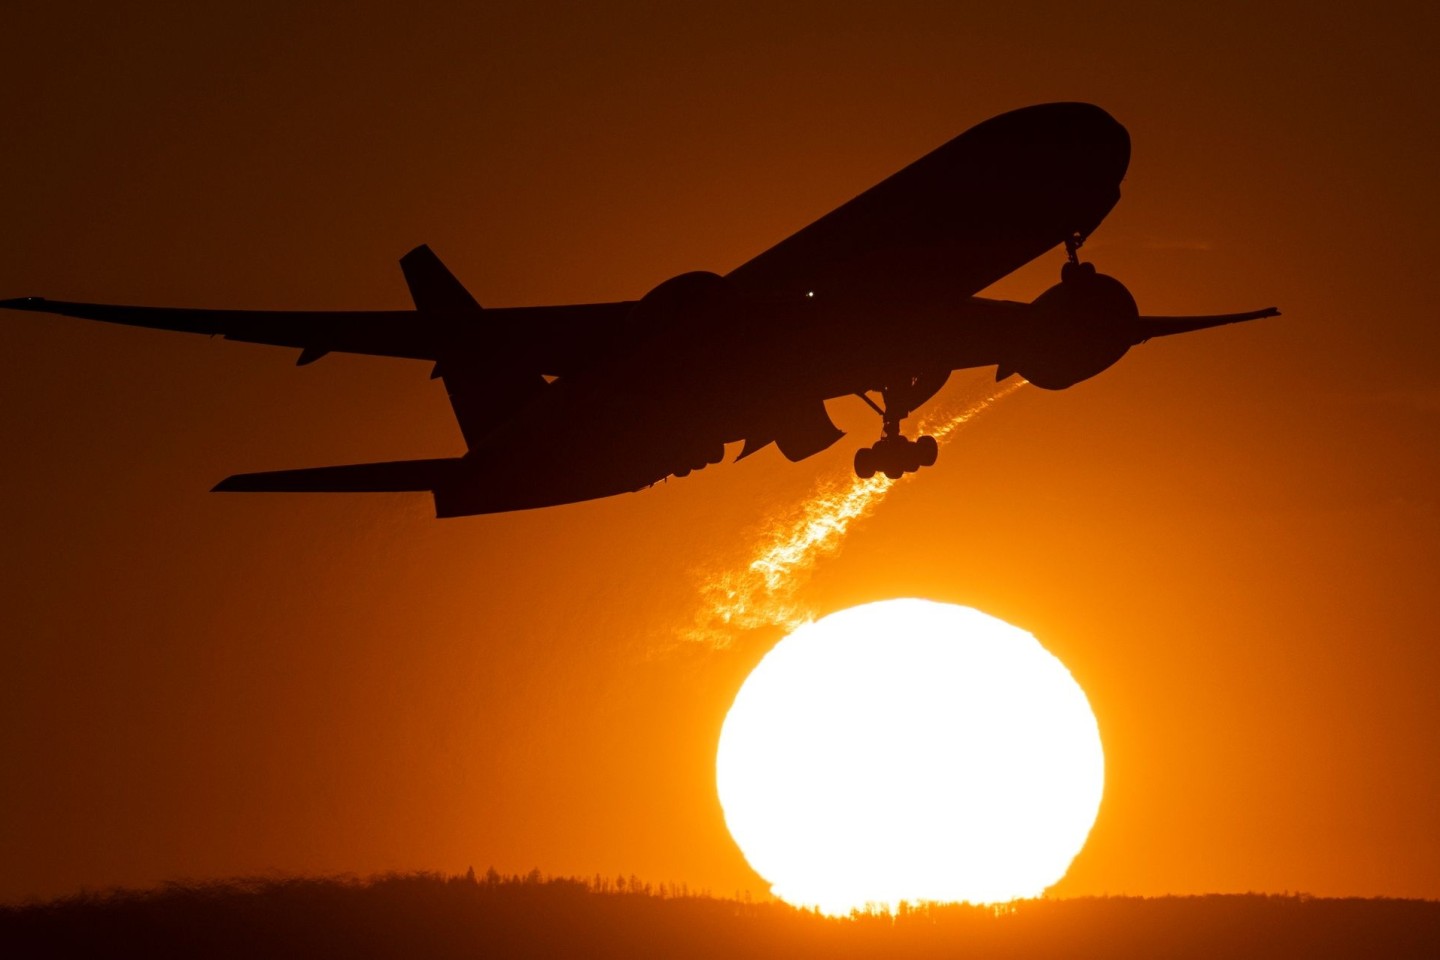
<point>396,475</point>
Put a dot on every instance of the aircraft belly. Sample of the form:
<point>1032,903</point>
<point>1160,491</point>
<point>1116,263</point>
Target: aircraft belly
<point>760,375</point>
<point>622,427</point>
<point>858,347</point>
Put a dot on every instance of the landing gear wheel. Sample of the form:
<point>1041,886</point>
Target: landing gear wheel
<point>912,456</point>
<point>865,463</point>
<point>894,470</point>
<point>928,448</point>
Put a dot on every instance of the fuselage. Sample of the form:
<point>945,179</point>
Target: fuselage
<point>728,381</point>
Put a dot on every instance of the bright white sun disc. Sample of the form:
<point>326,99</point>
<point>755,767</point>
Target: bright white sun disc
<point>909,750</point>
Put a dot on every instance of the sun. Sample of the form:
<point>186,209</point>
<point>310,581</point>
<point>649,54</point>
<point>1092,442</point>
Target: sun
<point>909,751</point>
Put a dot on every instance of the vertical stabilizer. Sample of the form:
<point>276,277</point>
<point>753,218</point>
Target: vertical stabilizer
<point>481,380</point>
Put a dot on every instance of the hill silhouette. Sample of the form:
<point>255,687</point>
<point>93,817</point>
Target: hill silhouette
<point>428,915</point>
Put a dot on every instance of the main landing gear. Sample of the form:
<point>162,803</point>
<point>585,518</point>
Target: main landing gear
<point>893,454</point>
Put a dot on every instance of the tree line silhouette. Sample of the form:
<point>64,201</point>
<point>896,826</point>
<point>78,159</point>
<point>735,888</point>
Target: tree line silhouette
<point>428,915</point>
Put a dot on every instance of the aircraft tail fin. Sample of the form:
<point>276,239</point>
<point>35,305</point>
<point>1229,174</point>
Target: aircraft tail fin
<point>396,475</point>
<point>484,388</point>
<point>436,292</point>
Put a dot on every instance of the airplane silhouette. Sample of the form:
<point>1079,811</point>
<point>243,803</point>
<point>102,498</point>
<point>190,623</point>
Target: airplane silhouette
<point>560,404</point>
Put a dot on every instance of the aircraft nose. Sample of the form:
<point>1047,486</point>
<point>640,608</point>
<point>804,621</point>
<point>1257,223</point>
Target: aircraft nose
<point>1080,138</point>
<point>1093,141</point>
<point>1113,150</point>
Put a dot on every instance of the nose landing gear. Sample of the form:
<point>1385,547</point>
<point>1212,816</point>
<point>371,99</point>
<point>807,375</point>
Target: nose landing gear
<point>1073,271</point>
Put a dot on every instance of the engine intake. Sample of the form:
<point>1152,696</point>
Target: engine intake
<point>1076,329</point>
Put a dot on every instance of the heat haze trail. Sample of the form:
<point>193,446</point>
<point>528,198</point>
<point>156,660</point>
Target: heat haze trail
<point>760,591</point>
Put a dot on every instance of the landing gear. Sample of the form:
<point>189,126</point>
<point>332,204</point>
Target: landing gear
<point>1074,271</point>
<point>893,454</point>
<point>865,465</point>
<point>895,457</point>
<point>929,449</point>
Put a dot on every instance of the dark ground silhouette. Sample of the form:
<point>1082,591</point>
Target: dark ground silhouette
<point>426,915</point>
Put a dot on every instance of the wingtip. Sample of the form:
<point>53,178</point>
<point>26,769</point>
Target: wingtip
<point>23,303</point>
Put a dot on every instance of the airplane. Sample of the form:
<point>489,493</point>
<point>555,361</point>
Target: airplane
<point>561,404</point>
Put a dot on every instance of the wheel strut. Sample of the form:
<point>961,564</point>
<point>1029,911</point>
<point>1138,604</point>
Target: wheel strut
<point>1073,271</point>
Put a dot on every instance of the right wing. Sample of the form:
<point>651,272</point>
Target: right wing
<point>446,324</point>
<point>390,333</point>
<point>549,340</point>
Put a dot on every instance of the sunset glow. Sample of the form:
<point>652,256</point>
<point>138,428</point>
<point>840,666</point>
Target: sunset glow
<point>909,751</point>
<point>1230,537</point>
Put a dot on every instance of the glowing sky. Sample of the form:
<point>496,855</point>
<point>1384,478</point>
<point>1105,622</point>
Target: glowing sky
<point>1231,539</point>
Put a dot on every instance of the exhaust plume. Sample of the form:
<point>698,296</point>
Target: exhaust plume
<point>761,591</point>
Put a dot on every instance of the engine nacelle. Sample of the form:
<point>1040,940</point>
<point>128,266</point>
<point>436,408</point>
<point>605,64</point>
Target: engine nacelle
<point>688,296</point>
<point>1076,329</point>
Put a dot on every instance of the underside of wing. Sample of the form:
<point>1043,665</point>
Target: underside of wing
<point>961,217</point>
<point>1148,327</point>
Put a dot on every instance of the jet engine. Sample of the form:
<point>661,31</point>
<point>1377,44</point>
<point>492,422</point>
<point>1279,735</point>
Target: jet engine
<point>1076,329</point>
<point>684,297</point>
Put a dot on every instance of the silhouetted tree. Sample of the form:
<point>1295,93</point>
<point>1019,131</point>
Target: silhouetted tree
<point>433,916</point>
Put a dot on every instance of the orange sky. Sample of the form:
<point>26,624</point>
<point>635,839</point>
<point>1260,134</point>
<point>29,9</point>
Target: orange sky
<point>1231,538</point>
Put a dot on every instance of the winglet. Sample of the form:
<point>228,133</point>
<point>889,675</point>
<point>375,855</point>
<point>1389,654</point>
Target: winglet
<point>434,288</point>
